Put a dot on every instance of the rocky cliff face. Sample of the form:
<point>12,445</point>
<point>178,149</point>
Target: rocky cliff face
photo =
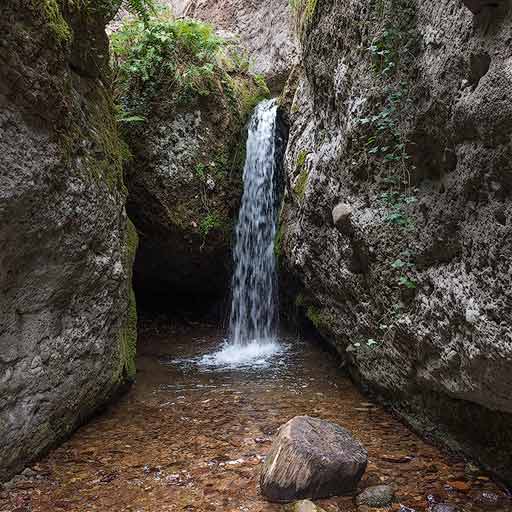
<point>396,233</point>
<point>185,178</point>
<point>264,29</point>
<point>67,313</point>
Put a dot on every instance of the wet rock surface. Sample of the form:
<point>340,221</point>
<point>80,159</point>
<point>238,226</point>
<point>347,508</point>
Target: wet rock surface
<point>416,296</point>
<point>302,506</point>
<point>196,439</point>
<point>67,313</point>
<point>312,458</point>
<point>376,496</point>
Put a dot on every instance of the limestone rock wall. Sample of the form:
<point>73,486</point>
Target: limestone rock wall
<point>67,312</point>
<point>396,232</point>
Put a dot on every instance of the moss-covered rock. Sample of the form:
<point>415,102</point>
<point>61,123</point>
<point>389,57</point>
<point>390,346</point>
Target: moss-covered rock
<point>67,328</point>
<point>185,179</point>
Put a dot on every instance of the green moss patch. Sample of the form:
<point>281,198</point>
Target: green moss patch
<point>300,186</point>
<point>55,20</point>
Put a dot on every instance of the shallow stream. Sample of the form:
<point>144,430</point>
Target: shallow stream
<point>191,437</point>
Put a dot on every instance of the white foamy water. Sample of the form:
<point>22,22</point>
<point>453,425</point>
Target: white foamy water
<point>254,312</point>
<point>254,354</point>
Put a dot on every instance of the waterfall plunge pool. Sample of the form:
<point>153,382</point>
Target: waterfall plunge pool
<point>189,437</point>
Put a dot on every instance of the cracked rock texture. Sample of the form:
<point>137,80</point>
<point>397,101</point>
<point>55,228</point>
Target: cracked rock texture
<point>67,313</point>
<point>431,334</point>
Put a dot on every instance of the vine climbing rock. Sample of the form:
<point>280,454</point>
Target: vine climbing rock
<point>312,458</point>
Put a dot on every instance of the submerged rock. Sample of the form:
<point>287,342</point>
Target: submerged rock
<point>376,496</point>
<point>443,507</point>
<point>302,506</point>
<point>312,458</point>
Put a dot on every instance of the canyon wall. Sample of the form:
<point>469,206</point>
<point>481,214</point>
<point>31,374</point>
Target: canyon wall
<point>396,231</point>
<point>67,310</point>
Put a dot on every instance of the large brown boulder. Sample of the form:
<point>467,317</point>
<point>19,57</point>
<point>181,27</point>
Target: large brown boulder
<point>67,312</point>
<point>312,458</point>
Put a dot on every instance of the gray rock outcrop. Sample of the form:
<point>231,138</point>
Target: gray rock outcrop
<point>185,178</point>
<point>312,458</point>
<point>405,113</point>
<point>67,310</point>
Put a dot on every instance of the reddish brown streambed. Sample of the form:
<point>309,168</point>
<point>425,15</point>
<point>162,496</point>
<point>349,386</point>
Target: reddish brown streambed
<point>187,439</point>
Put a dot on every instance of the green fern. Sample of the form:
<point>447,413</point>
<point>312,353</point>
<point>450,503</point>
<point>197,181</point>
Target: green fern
<point>141,8</point>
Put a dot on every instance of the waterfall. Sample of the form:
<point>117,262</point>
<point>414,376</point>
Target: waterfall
<point>254,311</point>
<point>254,287</point>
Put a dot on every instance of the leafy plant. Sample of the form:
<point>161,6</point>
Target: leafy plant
<point>144,9</point>
<point>387,144</point>
<point>209,223</point>
<point>160,50</point>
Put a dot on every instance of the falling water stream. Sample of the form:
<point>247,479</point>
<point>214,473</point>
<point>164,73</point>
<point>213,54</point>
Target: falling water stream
<point>254,313</point>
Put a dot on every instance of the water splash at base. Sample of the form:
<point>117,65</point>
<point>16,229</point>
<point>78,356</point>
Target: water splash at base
<point>256,353</point>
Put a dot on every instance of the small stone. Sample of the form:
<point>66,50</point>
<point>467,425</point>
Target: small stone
<point>443,507</point>
<point>210,183</point>
<point>403,508</point>
<point>341,215</point>
<point>492,501</point>
<point>459,486</point>
<point>302,506</point>
<point>312,458</point>
<point>29,473</point>
<point>376,496</point>
<point>472,470</point>
<point>398,458</point>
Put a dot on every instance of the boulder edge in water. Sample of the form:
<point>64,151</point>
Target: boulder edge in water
<point>312,458</point>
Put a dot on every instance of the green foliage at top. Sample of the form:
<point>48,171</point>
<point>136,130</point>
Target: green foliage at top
<point>163,51</point>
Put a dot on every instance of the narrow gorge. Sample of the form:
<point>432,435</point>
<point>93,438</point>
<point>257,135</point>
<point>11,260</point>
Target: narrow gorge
<point>256,256</point>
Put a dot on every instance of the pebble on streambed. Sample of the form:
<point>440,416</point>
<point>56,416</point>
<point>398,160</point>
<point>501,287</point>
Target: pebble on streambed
<point>302,506</point>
